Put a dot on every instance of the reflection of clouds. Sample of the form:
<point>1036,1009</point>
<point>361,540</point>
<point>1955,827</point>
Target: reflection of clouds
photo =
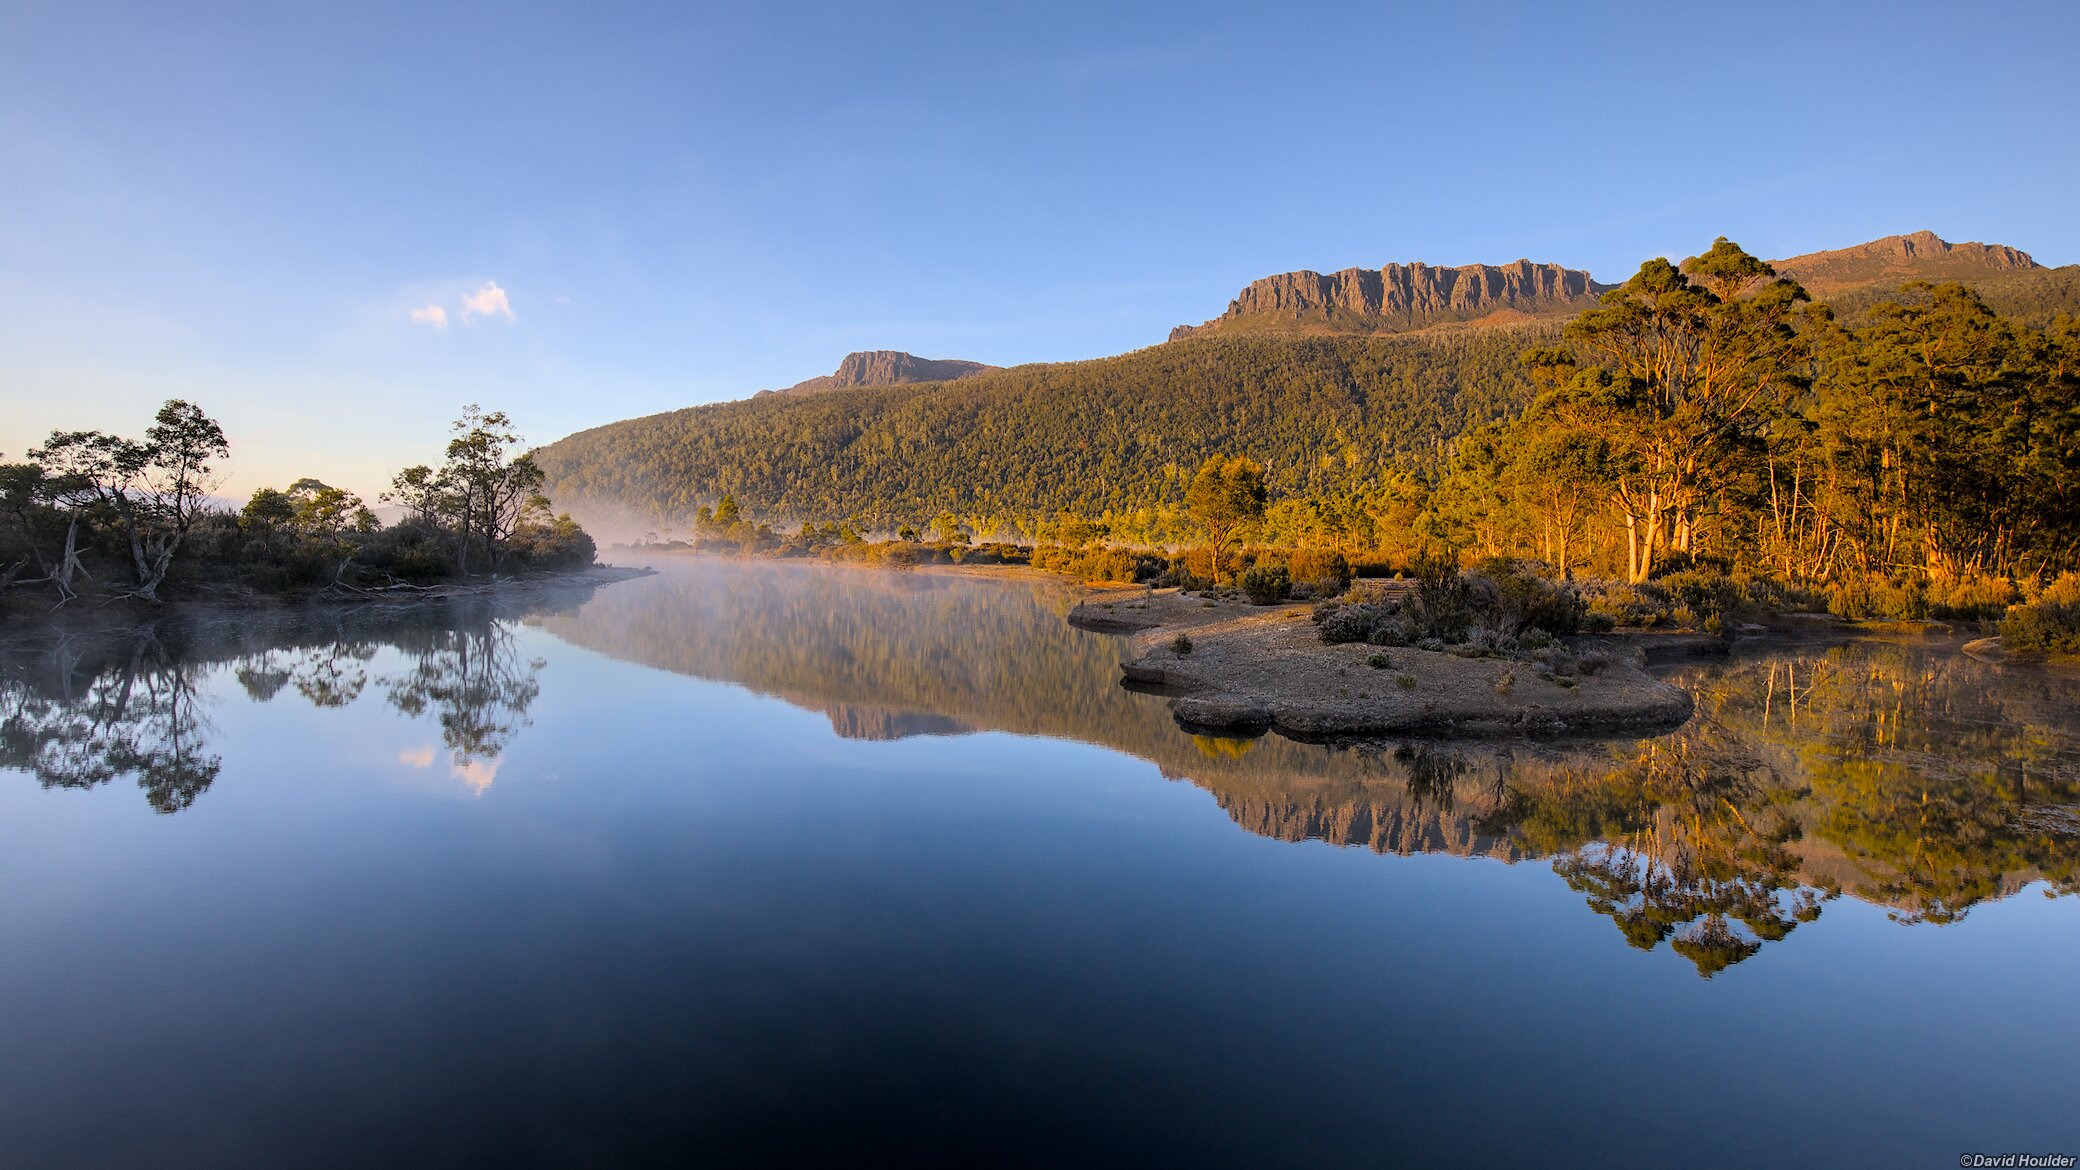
<point>477,774</point>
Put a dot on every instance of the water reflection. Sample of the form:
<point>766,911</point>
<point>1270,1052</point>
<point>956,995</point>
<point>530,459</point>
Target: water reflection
<point>1903,774</point>
<point>83,707</point>
<point>86,712</point>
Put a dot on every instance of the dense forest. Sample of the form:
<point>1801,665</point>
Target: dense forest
<point>1895,452</point>
<point>114,518</point>
<point>1328,416</point>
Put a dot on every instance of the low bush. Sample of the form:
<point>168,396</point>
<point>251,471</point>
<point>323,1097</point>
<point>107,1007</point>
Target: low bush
<point>2048,625</point>
<point>1096,563</point>
<point>1973,596</point>
<point>1878,597</point>
<point>1526,600</point>
<point>1267,585</point>
<point>1325,569</point>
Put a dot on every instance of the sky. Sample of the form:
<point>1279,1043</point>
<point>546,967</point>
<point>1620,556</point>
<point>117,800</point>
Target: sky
<point>333,226</point>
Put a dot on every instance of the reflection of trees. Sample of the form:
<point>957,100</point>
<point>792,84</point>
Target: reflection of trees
<point>74,719</point>
<point>331,675</point>
<point>1685,840</point>
<point>1939,778</point>
<point>80,709</point>
<point>1905,775</point>
<point>474,681</point>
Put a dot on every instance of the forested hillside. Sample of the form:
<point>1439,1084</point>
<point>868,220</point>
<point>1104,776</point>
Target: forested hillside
<point>1325,415</point>
<point>1361,424</point>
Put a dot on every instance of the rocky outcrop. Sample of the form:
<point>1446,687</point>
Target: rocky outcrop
<point>885,367</point>
<point>1401,297</point>
<point>1894,259</point>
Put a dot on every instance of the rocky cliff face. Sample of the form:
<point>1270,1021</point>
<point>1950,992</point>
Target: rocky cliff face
<point>1894,259</point>
<point>1401,297</point>
<point>885,367</point>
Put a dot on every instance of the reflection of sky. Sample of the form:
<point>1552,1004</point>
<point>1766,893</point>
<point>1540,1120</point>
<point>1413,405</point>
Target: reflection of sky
<point>475,774</point>
<point>726,917</point>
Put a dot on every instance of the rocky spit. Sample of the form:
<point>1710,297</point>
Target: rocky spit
<point>1247,667</point>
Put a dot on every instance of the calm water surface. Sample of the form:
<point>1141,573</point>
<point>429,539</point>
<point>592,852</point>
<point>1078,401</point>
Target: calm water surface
<point>746,863</point>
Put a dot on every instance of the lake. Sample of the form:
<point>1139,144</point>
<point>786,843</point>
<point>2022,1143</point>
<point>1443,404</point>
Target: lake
<point>761,862</point>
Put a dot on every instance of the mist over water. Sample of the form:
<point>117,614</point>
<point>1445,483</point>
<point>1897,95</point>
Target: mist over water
<point>766,860</point>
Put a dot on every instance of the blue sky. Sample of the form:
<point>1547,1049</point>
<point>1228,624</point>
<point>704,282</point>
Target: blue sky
<point>621,209</point>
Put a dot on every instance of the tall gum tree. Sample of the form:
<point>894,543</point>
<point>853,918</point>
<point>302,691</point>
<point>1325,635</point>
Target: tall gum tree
<point>1681,372</point>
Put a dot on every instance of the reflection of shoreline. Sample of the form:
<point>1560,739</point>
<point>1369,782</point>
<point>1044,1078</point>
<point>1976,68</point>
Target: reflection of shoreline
<point>1777,794</point>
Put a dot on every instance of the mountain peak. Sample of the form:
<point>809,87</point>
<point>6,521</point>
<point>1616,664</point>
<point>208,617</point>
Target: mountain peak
<point>1921,255</point>
<point>885,367</point>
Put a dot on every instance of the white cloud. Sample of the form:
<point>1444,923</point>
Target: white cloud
<point>432,315</point>
<point>489,301</point>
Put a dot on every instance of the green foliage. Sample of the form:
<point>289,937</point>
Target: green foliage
<point>1181,644</point>
<point>1520,599</point>
<point>1224,496</point>
<point>90,510</point>
<point>1267,584</point>
<point>1327,417</point>
<point>1094,564</point>
<point>2050,624</point>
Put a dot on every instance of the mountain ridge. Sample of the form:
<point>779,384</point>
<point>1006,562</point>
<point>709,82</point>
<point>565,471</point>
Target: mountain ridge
<point>1339,401</point>
<point>1399,298</point>
<point>1921,255</point>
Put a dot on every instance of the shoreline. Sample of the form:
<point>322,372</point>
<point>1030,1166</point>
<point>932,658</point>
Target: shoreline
<point>83,611</point>
<point>1238,668</point>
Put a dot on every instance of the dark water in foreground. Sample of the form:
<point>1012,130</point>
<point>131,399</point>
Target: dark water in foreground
<point>764,863</point>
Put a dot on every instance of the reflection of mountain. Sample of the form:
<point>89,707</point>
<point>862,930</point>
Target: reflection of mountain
<point>87,706</point>
<point>1909,776</point>
<point>855,721</point>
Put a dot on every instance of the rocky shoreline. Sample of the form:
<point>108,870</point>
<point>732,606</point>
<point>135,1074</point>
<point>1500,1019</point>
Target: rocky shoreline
<point>1234,666</point>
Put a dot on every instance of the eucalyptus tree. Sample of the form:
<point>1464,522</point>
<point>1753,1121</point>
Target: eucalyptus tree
<point>480,493</point>
<point>1682,377</point>
<point>1225,496</point>
<point>156,489</point>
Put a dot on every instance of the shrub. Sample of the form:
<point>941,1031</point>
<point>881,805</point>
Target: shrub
<point>1877,597</point>
<point>1267,585</point>
<point>1444,598</point>
<point>555,544</point>
<point>410,551</point>
<point>1391,630</point>
<point>1343,622</point>
<point>1703,591</point>
<point>1524,599</point>
<point>1380,661</point>
<point>1181,644</point>
<point>2050,624</point>
<point>1615,603</point>
<point>1325,569</point>
<point>1090,564</point>
<point>1975,595</point>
